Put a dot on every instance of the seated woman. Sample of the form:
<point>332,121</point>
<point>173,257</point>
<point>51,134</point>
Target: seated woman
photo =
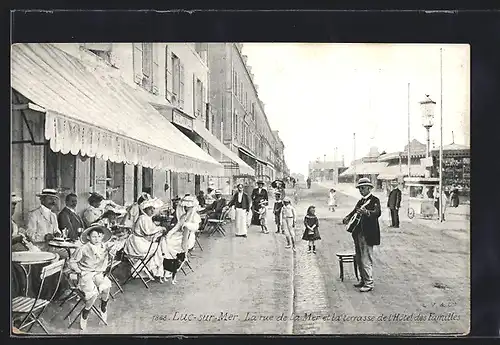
<point>90,261</point>
<point>177,243</point>
<point>144,232</point>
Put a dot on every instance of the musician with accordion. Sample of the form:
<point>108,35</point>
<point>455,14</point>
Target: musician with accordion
<point>362,222</point>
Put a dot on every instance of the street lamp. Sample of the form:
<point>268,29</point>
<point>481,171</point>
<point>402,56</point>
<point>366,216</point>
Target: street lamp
<point>427,107</point>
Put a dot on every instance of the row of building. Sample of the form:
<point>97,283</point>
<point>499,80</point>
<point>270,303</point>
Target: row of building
<point>383,167</point>
<point>123,118</point>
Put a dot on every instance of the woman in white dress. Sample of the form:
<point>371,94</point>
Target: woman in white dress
<point>182,237</point>
<point>241,202</point>
<point>144,232</point>
<point>332,200</point>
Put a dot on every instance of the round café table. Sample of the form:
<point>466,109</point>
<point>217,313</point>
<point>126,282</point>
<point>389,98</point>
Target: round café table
<point>68,245</point>
<point>27,259</point>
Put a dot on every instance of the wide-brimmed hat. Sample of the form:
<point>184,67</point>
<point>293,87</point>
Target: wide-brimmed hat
<point>364,181</point>
<point>49,192</point>
<point>95,196</point>
<point>287,199</point>
<point>14,198</point>
<point>153,202</point>
<point>189,201</point>
<point>218,192</point>
<point>107,233</point>
<point>109,208</point>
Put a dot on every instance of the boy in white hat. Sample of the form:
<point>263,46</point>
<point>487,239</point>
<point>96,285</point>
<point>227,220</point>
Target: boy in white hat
<point>90,261</point>
<point>263,215</point>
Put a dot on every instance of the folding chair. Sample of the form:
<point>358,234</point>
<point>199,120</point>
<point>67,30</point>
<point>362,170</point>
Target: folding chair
<point>81,299</point>
<point>33,308</point>
<point>143,262</point>
<point>109,273</point>
<point>217,224</point>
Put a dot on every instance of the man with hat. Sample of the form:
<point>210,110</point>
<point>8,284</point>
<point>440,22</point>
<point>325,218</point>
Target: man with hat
<point>258,194</point>
<point>69,219</point>
<point>94,211</point>
<point>42,221</point>
<point>214,211</point>
<point>90,261</point>
<point>367,232</point>
<point>278,205</point>
<point>394,203</point>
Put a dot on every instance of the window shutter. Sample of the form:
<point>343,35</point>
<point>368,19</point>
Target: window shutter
<point>181,89</point>
<point>156,69</point>
<point>168,75</point>
<point>202,100</point>
<point>137,61</point>
<point>195,98</point>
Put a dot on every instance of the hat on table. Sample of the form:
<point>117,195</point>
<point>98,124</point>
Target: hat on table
<point>364,181</point>
<point>48,192</point>
<point>14,198</point>
<point>85,234</point>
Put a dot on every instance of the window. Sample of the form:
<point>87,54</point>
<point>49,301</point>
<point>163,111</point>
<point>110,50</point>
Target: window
<point>253,111</point>
<point>60,172</point>
<point>147,180</point>
<point>92,172</point>
<point>147,66</point>
<point>198,98</point>
<point>115,173</point>
<point>177,82</point>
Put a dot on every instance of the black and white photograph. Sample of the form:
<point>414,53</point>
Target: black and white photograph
<point>240,188</point>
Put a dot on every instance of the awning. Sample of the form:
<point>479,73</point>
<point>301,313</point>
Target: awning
<point>392,172</point>
<point>261,161</point>
<point>91,112</point>
<point>365,169</point>
<point>246,152</point>
<point>212,140</point>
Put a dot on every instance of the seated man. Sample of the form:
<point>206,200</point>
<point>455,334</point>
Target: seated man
<point>214,211</point>
<point>69,219</point>
<point>89,262</point>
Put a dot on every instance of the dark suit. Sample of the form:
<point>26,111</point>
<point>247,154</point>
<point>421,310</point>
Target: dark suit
<point>214,210</point>
<point>366,235</point>
<point>71,221</point>
<point>394,203</point>
<point>257,196</point>
<point>244,204</point>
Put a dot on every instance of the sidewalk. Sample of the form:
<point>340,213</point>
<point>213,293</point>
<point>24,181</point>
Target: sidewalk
<point>231,275</point>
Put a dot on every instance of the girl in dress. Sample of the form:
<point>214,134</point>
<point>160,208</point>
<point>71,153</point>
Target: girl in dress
<point>332,200</point>
<point>311,233</point>
<point>263,216</point>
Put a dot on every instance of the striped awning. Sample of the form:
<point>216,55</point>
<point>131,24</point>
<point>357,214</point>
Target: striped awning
<point>88,111</point>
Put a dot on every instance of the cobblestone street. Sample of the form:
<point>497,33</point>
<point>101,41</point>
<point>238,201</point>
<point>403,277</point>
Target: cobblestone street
<point>418,271</point>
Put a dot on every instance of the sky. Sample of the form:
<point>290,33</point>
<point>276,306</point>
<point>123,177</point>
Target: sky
<point>318,95</point>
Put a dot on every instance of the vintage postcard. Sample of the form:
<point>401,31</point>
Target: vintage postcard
<point>240,188</point>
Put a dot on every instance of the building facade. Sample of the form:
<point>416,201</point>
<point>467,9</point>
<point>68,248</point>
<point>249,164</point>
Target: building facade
<point>119,95</point>
<point>238,114</point>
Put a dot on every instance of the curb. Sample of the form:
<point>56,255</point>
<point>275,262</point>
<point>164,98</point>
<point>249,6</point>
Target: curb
<point>289,325</point>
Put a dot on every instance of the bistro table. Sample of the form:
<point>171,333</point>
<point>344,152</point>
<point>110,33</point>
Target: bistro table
<point>68,245</point>
<point>27,259</point>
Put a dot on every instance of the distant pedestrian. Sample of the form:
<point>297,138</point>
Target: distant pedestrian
<point>311,232</point>
<point>278,205</point>
<point>308,183</point>
<point>394,203</point>
<point>263,216</point>
<point>332,200</point>
<point>454,199</point>
<point>288,217</point>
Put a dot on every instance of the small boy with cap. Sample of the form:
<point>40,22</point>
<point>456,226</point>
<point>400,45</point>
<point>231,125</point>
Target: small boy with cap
<point>263,215</point>
<point>278,205</point>
<point>288,216</point>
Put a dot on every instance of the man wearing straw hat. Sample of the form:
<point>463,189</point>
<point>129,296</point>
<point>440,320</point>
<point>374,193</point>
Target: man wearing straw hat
<point>367,233</point>
<point>42,221</point>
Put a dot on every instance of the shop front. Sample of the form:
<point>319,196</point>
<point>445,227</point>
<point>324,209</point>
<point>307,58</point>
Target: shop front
<point>77,128</point>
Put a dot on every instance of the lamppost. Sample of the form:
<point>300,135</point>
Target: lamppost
<point>427,107</point>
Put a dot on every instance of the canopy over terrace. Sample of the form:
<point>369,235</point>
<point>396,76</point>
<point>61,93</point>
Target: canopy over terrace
<point>395,171</point>
<point>365,169</point>
<point>101,116</point>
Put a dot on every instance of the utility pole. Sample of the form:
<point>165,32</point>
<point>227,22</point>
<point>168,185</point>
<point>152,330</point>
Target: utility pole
<point>441,203</point>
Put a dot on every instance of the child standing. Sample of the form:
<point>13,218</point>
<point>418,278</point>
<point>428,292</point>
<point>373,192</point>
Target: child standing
<point>288,222</point>
<point>90,261</point>
<point>263,215</point>
<point>311,233</point>
<point>278,205</point>
<point>332,200</point>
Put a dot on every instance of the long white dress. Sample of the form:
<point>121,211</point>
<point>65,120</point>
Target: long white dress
<point>332,199</point>
<point>181,237</point>
<point>139,242</point>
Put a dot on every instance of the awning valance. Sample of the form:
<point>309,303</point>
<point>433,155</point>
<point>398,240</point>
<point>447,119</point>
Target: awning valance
<point>212,140</point>
<point>246,152</point>
<point>365,169</point>
<point>392,172</point>
<point>91,112</point>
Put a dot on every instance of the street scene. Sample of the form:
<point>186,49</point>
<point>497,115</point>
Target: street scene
<point>194,188</point>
